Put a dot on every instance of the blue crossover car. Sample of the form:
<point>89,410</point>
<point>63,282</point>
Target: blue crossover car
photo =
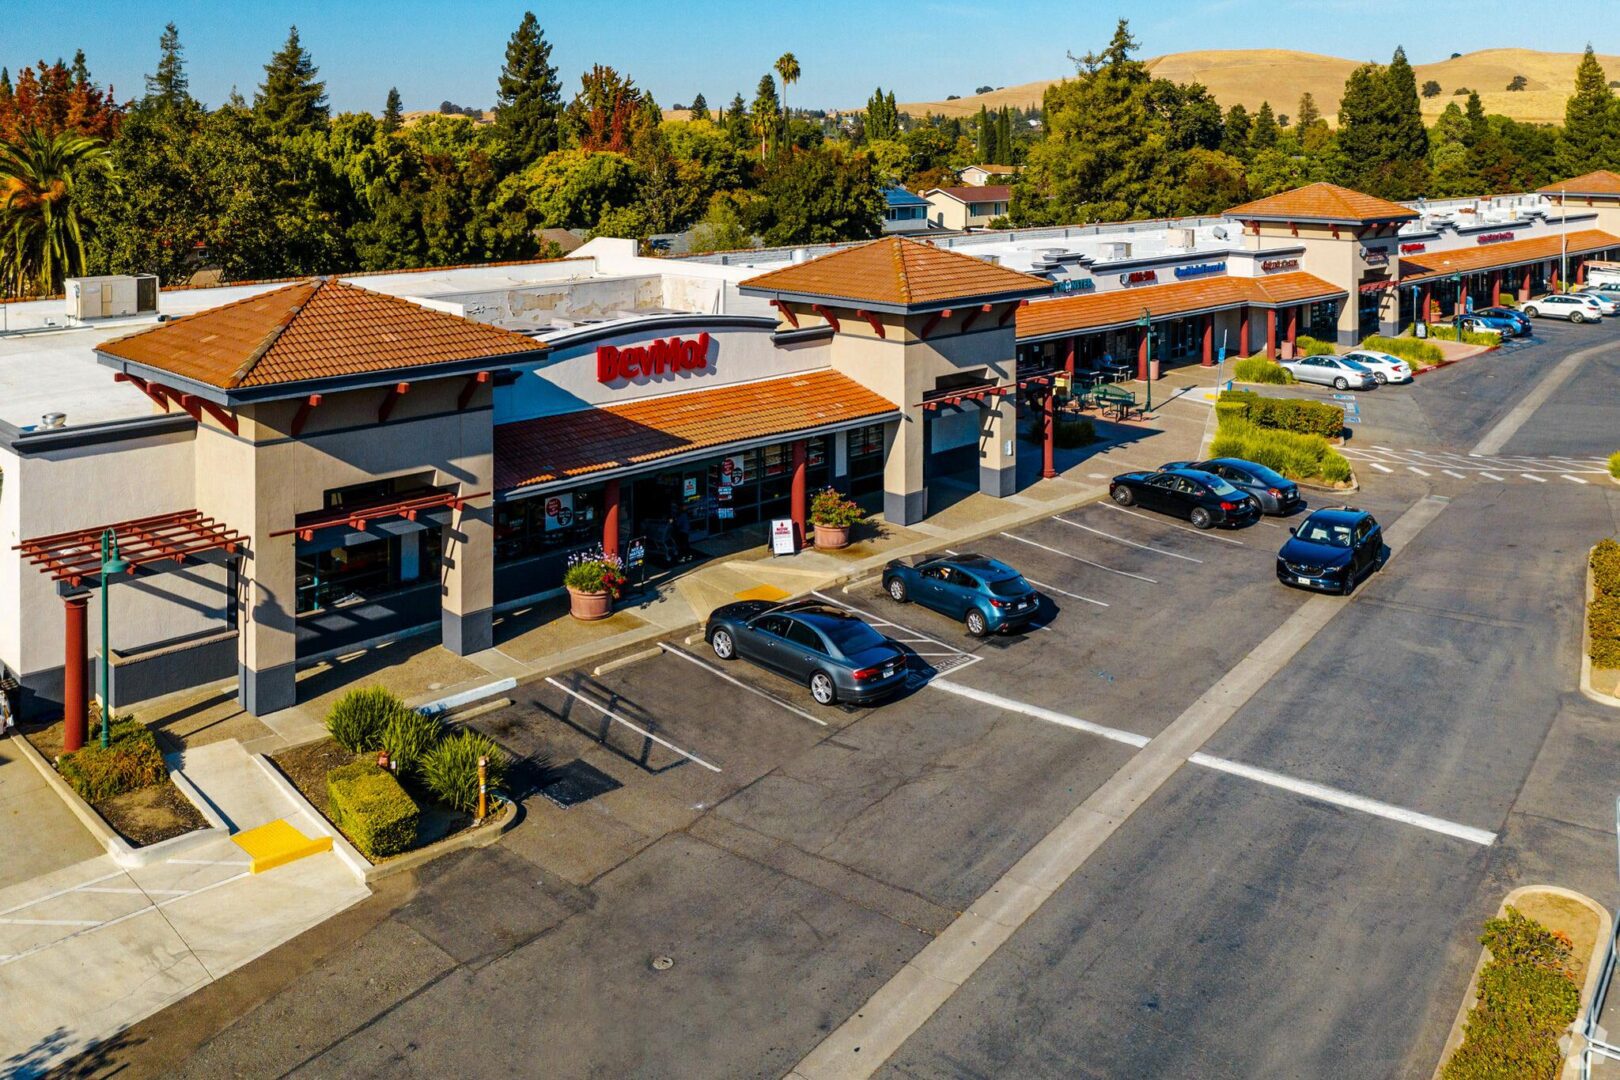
<point>1332,550</point>
<point>985,593</point>
<point>838,656</point>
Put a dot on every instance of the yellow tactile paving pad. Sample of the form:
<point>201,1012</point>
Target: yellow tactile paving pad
<point>278,844</point>
<point>763,592</point>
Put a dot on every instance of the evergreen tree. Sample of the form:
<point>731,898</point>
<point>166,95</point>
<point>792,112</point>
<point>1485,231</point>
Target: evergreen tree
<point>292,99</point>
<point>170,86</point>
<point>700,108</point>
<point>1589,139</point>
<point>1478,127</point>
<point>767,112</point>
<point>1264,135</point>
<point>81,70</point>
<point>882,119</point>
<point>1239,130</point>
<point>528,99</point>
<point>1005,138</point>
<point>1308,112</point>
<point>6,92</point>
<point>1408,138</point>
<point>986,144</point>
<point>1381,131</point>
<point>737,121</point>
<point>393,110</point>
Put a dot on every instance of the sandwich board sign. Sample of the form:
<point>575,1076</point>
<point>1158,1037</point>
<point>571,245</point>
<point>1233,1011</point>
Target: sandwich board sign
<point>783,540</point>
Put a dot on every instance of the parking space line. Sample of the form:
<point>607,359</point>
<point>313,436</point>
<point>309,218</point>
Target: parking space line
<point>1381,468</point>
<point>1572,479</point>
<point>1491,476</point>
<point>1060,592</point>
<point>1129,543</point>
<point>733,680</point>
<point>1078,559</point>
<point>916,635</point>
<point>62,892</point>
<point>1533,476</point>
<point>639,731</point>
<point>1196,532</point>
<point>1130,738</point>
<point>1346,799</point>
<point>1452,472</point>
<point>1414,468</point>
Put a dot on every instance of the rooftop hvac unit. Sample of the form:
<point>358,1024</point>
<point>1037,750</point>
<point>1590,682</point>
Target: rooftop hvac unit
<point>111,296</point>
<point>1180,238</point>
<point>1116,249</point>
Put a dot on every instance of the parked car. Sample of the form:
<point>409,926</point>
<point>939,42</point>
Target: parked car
<point>1331,550</point>
<point>1478,320</point>
<point>1607,302</point>
<point>1518,319</point>
<point>837,655</point>
<point>1384,367</point>
<point>1275,493</point>
<point>1202,498</point>
<point>1335,371</point>
<point>1576,309</point>
<point>985,593</point>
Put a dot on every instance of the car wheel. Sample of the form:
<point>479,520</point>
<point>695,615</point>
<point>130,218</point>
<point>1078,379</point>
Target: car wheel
<point>722,644</point>
<point>1380,378</point>
<point>897,591</point>
<point>1532,313</point>
<point>1123,495</point>
<point>1349,585</point>
<point>976,623</point>
<point>822,689</point>
<point>1201,518</point>
<point>1340,383</point>
<point>1576,317</point>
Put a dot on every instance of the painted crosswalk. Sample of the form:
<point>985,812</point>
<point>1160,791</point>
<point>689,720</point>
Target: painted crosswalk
<point>1496,468</point>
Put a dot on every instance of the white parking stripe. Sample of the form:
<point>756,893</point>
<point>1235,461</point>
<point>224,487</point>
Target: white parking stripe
<point>1414,468</point>
<point>1452,472</point>
<point>1533,476</point>
<point>916,635</point>
<point>1347,799</point>
<point>1128,543</point>
<point>1196,532</point>
<point>1060,592</point>
<point>1129,738</point>
<point>1572,479</point>
<point>63,892</point>
<point>1076,558</point>
<point>638,730</point>
<point>1491,476</point>
<point>51,922</point>
<point>1381,468</point>
<point>733,680</point>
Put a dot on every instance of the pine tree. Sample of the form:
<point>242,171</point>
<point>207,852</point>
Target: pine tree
<point>1589,138</point>
<point>737,121</point>
<point>1264,135</point>
<point>170,87</point>
<point>1239,130</point>
<point>767,112</point>
<point>700,108</point>
<point>528,99</point>
<point>81,70</point>
<point>393,110</point>
<point>1308,112</point>
<point>1004,143</point>
<point>1385,145</point>
<point>1478,128</point>
<point>986,147</point>
<point>1408,138</point>
<point>292,99</point>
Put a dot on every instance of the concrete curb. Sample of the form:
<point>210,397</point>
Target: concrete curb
<point>122,851</point>
<point>1594,971</point>
<point>1586,644</point>
<point>626,660</point>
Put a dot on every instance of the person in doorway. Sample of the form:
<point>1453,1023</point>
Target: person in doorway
<point>680,527</point>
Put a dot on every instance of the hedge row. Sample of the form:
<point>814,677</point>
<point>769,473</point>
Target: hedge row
<point>1527,999</point>
<point>372,809</point>
<point>1305,345</point>
<point>1448,332</point>
<point>1299,415</point>
<point>1603,610</point>
<point>131,760</point>
<point>1614,464</point>
<point>1422,353</point>
<point>1074,432</point>
<point>1299,457</point>
<point>1258,369</point>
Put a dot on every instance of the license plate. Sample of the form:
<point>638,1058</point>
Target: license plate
<point>1303,580</point>
<point>888,671</point>
<point>1022,605</point>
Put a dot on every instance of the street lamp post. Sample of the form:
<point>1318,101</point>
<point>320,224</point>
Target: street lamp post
<point>1146,323</point>
<point>110,564</point>
<point>1457,309</point>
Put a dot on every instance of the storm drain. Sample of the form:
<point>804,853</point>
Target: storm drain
<point>576,782</point>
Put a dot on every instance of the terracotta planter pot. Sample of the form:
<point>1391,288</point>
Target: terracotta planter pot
<point>589,606</point>
<point>832,537</point>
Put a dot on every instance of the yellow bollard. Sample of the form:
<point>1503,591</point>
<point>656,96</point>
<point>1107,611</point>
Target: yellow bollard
<point>483,786</point>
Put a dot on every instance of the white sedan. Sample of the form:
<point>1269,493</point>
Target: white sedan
<point>1385,368</point>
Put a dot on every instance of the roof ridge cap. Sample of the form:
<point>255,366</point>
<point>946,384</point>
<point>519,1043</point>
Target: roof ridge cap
<point>899,255</point>
<point>270,339</point>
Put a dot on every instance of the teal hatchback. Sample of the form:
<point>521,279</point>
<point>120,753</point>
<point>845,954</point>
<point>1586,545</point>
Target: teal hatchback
<point>985,593</point>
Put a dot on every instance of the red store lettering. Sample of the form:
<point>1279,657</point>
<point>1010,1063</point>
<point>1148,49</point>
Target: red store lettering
<point>664,356</point>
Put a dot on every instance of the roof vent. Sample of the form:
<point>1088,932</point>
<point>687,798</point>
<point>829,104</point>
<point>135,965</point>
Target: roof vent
<point>53,420</point>
<point>801,255</point>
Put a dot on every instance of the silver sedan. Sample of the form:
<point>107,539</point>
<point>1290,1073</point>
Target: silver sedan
<point>1339,372</point>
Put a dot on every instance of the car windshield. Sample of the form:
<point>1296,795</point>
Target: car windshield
<point>1220,487</point>
<point>1009,586</point>
<point>850,636</point>
<point>1331,533</point>
<point>1352,365</point>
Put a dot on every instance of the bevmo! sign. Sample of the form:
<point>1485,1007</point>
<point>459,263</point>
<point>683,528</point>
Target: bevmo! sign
<point>666,356</point>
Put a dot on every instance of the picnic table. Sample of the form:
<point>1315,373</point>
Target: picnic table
<point>1122,402</point>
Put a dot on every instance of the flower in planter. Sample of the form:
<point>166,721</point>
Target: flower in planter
<point>832,509</point>
<point>594,571</point>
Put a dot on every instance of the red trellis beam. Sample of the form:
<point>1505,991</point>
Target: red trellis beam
<point>974,394</point>
<point>359,517</point>
<point>74,556</point>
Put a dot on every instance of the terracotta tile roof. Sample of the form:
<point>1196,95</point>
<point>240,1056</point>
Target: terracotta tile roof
<point>1434,264</point>
<point>1602,182</point>
<point>897,272</point>
<point>974,193</point>
<point>1322,202</point>
<point>1122,307</point>
<point>551,448</point>
<point>314,329</point>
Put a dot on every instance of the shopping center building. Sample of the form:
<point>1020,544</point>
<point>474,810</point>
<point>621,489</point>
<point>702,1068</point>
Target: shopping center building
<point>294,470</point>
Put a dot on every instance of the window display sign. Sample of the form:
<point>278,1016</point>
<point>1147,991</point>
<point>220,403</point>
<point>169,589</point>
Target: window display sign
<point>783,542</point>
<point>689,488</point>
<point>734,470</point>
<point>559,512</point>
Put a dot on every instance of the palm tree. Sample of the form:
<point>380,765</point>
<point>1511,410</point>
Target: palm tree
<point>787,66</point>
<point>40,238</point>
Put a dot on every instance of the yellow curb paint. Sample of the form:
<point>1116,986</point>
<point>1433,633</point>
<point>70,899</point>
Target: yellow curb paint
<point>278,844</point>
<point>763,592</point>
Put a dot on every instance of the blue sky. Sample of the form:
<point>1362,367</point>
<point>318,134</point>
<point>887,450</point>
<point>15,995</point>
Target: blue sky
<point>452,50</point>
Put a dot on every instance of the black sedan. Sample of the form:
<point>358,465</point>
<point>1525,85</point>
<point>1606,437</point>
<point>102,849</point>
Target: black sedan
<point>1202,498</point>
<point>835,654</point>
<point>1275,492</point>
<point>1332,550</point>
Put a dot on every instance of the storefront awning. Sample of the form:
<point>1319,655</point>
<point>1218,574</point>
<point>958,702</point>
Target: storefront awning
<point>1440,264</point>
<point>1046,319</point>
<point>71,558</point>
<point>547,450</point>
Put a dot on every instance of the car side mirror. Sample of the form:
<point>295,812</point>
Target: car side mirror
<point>1293,530</point>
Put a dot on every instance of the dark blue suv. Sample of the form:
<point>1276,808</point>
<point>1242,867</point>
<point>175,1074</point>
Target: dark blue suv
<point>1332,550</point>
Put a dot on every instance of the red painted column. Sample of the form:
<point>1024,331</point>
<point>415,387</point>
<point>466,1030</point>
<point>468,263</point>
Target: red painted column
<point>1071,346</point>
<point>1580,272</point>
<point>1293,325</point>
<point>1552,275</point>
<point>1243,333</point>
<point>1427,312</point>
<point>1524,287</point>
<point>75,680</point>
<point>610,518</point>
<point>1208,357</point>
<point>1496,287</point>
<point>1271,333</point>
<point>1048,466</point>
<point>801,502</point>
<point>1142,354</point>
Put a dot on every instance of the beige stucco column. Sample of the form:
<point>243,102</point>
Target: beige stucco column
<point>998,447</point>
<point>466,616</point>
<point>904,498</point>
<point>267,624</point>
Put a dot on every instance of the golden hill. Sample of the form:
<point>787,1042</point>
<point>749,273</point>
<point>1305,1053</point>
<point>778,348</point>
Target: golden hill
<point>1251,76</point>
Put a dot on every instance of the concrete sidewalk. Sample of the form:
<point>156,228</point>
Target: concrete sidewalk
<point>38,833</point>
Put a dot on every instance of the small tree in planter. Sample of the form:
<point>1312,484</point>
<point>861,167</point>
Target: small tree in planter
<point>594,580</point>
<point>833,516</point>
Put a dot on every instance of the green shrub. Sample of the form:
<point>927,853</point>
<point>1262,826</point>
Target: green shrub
<point>358,717</point>
<point>1299,415</point>
<point>1507,301</point>
<point>1306,345</point>
<point>1614,464</point>
<point>829,507</point>
<point>1606,566</point>
<point>1258,369</point>
<point>1070,433</point>
<point>1527,999</point>
<point>1410,349</point>
<point>371,808</point>
<point>1299,457</point>
<point>408,736</point>
<point>1448,332</point>
<point>1603,608</point>
<point>131,760</point>
<point>450,769</point>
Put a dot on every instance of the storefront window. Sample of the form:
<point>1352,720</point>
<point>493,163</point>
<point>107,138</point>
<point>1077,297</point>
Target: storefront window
<point>556,522</point>
<point>865,447</point>
<point>369,569</point>
<point>1322,318</point>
